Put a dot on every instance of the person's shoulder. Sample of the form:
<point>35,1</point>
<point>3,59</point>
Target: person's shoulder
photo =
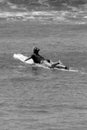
<point>32,55</point>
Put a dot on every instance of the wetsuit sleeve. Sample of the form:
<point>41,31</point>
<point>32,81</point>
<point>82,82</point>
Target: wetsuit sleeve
<point>28,58</point>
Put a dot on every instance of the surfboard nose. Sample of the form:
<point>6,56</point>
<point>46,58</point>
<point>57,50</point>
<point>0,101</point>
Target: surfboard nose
<point>15,56</point>
<point>19,57</point>
<point>23,58</point>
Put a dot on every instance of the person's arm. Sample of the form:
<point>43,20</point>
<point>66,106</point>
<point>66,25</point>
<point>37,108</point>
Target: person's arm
<point>28,58</point>
<point>41,57</point>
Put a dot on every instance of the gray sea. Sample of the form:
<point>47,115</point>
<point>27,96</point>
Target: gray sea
<point>34,98</point>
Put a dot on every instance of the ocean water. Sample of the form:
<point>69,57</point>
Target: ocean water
<point>47,12</point>
<point>33,98</point>
<point>76,16</point>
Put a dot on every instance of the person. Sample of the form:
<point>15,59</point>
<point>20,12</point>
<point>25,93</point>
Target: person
<point>38,59</point>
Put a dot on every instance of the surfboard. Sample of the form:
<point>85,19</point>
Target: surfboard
<point>60,66</point>
<point>23,58</point>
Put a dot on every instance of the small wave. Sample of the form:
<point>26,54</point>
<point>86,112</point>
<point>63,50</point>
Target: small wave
<point>72,17</point>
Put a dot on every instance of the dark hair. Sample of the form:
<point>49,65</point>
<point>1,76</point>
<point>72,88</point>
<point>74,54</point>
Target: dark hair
<point>36,49</point>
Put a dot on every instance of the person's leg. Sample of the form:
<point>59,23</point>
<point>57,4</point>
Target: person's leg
<point>54,64</point>
<point>46,63</point>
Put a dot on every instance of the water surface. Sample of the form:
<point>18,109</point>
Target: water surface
<point>34,98</point>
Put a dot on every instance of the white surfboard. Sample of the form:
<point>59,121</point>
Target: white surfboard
<point>23,58</point>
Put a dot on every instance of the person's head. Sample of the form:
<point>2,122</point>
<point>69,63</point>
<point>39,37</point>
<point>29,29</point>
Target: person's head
<point>36,50</point>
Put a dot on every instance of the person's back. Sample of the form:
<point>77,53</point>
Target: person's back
<point>36,57</point>
<point>41,60</point>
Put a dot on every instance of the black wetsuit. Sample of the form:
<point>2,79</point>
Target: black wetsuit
<point>37,58</point>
